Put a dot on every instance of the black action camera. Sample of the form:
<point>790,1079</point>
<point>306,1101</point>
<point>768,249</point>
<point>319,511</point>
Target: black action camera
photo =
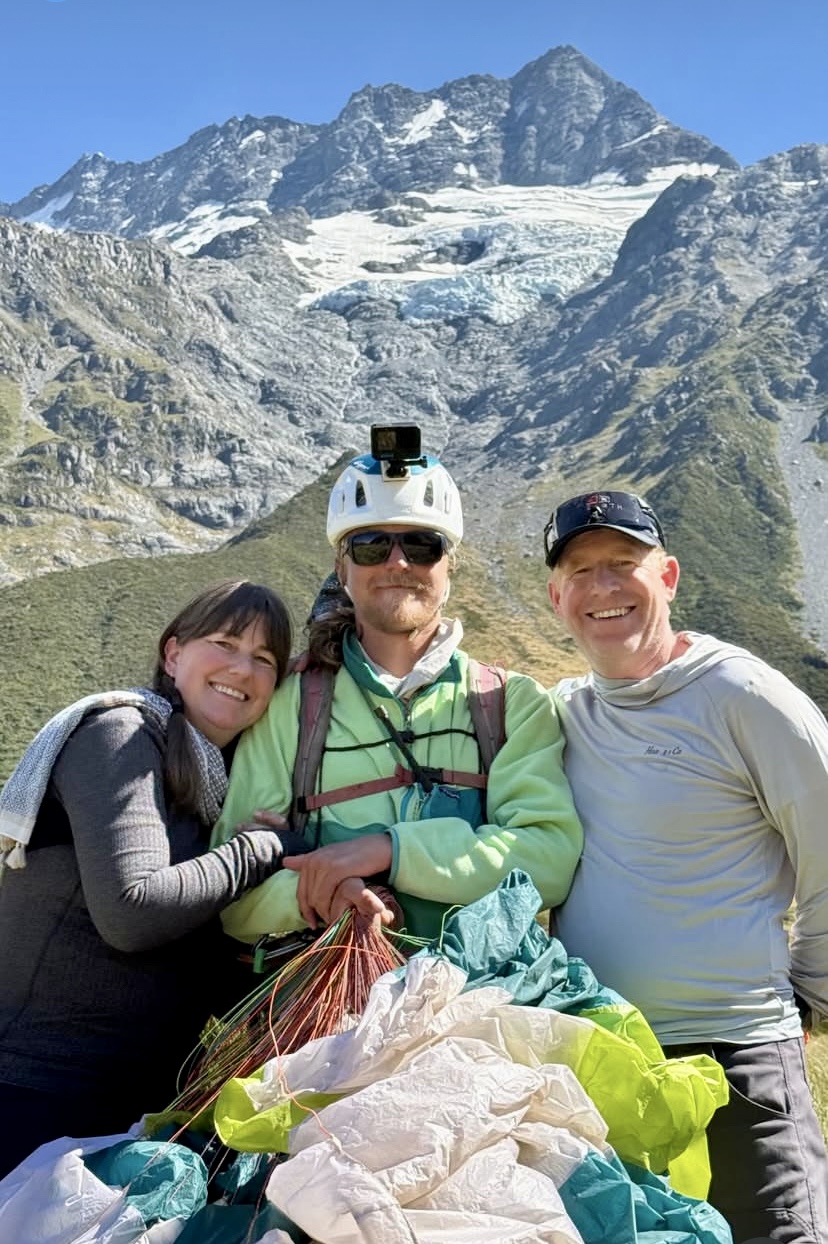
<point>399,445</point>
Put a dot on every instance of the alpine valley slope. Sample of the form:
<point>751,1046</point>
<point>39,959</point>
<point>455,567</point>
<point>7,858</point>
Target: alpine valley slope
<point>167,391</point>
<point>562,288</point>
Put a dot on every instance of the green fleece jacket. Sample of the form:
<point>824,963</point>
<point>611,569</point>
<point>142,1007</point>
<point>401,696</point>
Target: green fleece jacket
<point>447,850</point>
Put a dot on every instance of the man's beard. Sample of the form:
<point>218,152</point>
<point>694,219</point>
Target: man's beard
<point>413,609</point>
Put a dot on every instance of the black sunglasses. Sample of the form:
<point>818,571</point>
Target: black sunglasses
<point>419,547</point>
<point>620,511</point>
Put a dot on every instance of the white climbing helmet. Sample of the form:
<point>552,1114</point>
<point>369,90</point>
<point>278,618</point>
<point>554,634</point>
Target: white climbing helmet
<point>373,492</point>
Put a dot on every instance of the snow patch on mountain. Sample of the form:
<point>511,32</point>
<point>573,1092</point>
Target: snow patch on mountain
<point>420,126</point>
<point>492,252</point>
<point>45,215</point>
<point>656,129</point>
<point>206,222</point>
<point>462,131</point>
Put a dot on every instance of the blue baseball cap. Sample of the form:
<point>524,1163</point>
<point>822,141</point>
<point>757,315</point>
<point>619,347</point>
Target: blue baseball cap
<point>613,511</point>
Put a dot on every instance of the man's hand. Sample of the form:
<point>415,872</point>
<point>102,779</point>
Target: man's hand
<point>366,902</point>
<point>322,871</point>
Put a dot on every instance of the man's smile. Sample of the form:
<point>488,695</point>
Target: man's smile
<point>611,613</point>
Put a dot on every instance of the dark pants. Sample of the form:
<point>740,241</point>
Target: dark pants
<point>29,1118</point>
<point>770,1170</point>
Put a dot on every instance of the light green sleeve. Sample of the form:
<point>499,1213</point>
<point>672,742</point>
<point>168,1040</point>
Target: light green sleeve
<point>262,779</point>
<point>532,825</point>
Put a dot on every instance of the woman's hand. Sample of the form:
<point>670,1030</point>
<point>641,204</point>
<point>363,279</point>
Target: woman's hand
<point>289,841</point>
<point>272,820</point>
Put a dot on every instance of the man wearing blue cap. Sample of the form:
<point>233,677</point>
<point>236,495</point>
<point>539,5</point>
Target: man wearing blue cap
<point>700,775</point>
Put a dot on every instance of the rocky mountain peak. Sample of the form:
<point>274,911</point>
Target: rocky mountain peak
<point>557,283</point>
<point>560,120</point>
<point>238,161</point>
<point>807,163</point>
<point>569,122</point>
<point>80,185</point>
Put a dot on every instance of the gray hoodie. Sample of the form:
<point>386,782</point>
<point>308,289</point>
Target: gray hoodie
<point>703,792</point>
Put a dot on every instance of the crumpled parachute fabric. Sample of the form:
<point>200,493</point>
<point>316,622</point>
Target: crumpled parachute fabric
<point>488,1091</point>
<point>162,1180</point>
<point>54,1197</point>
<point>493,1092</point>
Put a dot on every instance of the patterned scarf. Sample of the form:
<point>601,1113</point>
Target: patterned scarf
<point>21,797</point>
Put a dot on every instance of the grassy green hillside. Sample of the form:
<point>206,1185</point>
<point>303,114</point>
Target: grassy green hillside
<point>66,634</point>
<point>70,633</point>
<point>817,1052</point>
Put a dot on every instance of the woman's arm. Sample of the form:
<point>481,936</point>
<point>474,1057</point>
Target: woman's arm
<point>109,778</point>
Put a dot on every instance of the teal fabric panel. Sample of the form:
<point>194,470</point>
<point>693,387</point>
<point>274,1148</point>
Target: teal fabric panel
<point>498,941</point>
<point>163,1179</point>
<point>614,1203</point>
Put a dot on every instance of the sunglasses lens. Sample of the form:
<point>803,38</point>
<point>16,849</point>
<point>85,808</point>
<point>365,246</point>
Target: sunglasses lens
<point>618,508</point>
<point>369,548</point>
<point>422,548</point>
<point>372,548</point>
<point>570,515</point>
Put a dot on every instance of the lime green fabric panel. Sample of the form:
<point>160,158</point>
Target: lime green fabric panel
<point>656,1109</point>
<point>240,1126</point>
<point>626,1021</point>
<point>690,1172</point>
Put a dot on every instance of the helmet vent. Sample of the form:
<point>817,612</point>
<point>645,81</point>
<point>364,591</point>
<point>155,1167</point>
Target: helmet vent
<point>428,495</point>
<point>359,495</point>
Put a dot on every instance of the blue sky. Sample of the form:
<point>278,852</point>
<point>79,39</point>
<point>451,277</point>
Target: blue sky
<point>133,78</point>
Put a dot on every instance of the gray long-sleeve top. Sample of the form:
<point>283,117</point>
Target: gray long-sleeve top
<point>703,792</point>
<point>111,954</point>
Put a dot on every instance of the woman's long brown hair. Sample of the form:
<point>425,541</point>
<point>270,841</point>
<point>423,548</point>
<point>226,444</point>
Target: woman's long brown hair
<point>230,606</point>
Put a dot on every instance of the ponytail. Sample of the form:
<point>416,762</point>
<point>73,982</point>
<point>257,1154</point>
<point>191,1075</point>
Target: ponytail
<point>181,775</point>
<point>331,615</point>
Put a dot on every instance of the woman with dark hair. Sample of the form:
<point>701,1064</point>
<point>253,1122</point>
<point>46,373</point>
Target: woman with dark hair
<point>111,952</point>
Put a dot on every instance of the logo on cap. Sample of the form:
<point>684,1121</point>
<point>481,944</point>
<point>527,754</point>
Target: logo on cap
<point>596,504</point>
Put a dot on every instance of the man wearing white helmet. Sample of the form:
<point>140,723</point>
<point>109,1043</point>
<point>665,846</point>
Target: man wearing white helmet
<point>400,795</point>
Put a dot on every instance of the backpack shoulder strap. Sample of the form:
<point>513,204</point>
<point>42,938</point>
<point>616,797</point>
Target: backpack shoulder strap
<point>487,705</point>
<point>315,699</point>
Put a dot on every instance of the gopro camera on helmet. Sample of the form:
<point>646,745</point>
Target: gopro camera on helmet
<point>397,446</point>
<point>396,484</point>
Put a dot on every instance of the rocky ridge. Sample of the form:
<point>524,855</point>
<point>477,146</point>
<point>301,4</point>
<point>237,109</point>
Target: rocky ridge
<point>559,121</point>
<point>159,392</point>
